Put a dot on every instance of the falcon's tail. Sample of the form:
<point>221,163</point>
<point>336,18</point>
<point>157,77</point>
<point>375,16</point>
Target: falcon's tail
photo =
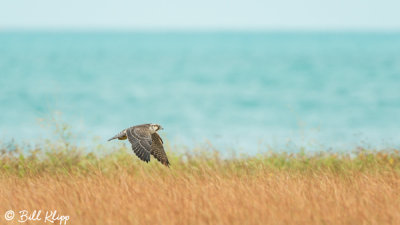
<point>121,136</point>
<point>112,138</point>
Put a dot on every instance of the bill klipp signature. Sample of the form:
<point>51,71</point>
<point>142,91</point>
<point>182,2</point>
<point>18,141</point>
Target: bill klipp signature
<point>50,216</point>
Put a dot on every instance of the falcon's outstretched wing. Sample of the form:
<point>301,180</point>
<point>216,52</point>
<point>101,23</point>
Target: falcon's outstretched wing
<point>157,149</point>
<point>140,138</point>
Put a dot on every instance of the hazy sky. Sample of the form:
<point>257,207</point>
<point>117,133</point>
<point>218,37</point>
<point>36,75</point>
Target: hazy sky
<point>204,14</point>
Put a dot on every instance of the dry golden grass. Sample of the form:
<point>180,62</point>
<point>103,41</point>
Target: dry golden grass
<point>203,188</point>
<point>171,197</point>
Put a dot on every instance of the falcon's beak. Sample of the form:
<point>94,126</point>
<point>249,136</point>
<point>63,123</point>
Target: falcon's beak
<point>161,128</point>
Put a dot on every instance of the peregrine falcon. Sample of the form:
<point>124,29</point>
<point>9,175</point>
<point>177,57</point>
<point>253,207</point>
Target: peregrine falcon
<point>145,141</point>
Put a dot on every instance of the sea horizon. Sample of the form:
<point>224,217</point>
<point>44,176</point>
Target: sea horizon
<point>237,89</point>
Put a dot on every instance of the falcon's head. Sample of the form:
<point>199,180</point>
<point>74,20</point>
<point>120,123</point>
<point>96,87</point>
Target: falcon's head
<point>155,127</point>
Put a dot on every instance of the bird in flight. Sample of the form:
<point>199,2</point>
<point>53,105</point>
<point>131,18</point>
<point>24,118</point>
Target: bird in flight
<point>145,141</point>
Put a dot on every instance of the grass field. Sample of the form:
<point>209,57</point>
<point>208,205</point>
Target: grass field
<point>200,188</point>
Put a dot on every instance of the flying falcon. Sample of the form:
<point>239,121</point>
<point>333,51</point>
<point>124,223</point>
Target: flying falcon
<point>145,141</point>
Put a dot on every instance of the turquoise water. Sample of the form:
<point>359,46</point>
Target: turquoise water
<point>238,90</point>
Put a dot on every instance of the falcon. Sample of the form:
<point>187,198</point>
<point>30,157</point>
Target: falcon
<point>145,141</point>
